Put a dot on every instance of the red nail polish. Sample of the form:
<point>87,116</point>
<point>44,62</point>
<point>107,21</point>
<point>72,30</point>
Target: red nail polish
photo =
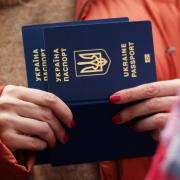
<point>116,119</point>
<point>115,98</point>
<point>66,138</point>
<point>73,124</point>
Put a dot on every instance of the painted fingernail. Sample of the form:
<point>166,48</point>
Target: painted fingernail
<point>66,138</point>
<point>73,124</point>
<point>117,119</point>
<point>115,98</point>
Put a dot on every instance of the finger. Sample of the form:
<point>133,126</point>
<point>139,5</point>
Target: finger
<point>34,111</point>
<point>145,91</point>
<point>17,141</point>
<point>42,98</point>
<point>154,122</point>
<point>147,107</point>
<point>35,128</point>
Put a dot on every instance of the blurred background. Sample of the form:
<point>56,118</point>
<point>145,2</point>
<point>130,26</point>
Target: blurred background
<point>13,15</point>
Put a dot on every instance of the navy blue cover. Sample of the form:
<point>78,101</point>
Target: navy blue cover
<point>33,39</point>
<point>95,137</point>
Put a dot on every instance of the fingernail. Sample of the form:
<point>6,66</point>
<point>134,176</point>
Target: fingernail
<point>73,124</point>
<point>115,98</point>
<point>66,138</point>
<point>117,119</point>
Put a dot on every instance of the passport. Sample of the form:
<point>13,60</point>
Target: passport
<point>83,63</point>
<point>33,39</point>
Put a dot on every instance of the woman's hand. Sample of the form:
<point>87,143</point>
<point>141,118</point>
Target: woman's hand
<point>156,100</point>
<point>32,119</point>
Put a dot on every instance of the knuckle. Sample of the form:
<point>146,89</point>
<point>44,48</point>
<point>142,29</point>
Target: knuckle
<point>10,89</point>
<point>152,90</point>
<point>8,103</point>
<point>51,98</point>
<point>7,139</point>
<point>154,104</point>
<point>45,130</point>
<point>4,136</point>
<point>160,120</point>
<point>5,120</point>
<point>48,114</point>
<point>4,101</point>
<point>34,144</point>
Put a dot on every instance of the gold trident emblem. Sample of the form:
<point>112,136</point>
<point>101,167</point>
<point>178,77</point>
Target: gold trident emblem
<point>95,62</point>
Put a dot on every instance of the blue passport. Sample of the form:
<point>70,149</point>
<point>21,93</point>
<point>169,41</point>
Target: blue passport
<point>83,63</point>
<point>33,38</point>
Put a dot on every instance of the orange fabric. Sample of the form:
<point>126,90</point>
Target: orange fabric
<point>1,89</point>
<point>9,166</point>
<point>133,169</point>
<point>165,18</point>
<point>79,8</point>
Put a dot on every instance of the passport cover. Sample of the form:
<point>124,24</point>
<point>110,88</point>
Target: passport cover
<point>86,63</point>
<point>35,52</point>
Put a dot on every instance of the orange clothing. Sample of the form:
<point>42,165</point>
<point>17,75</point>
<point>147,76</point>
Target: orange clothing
<point>10,169</point>
<point>165,18</point>
<point>1,89</point>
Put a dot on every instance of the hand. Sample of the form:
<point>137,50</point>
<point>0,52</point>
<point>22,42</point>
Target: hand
<point>156,100</point>
<point>32,119</point>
